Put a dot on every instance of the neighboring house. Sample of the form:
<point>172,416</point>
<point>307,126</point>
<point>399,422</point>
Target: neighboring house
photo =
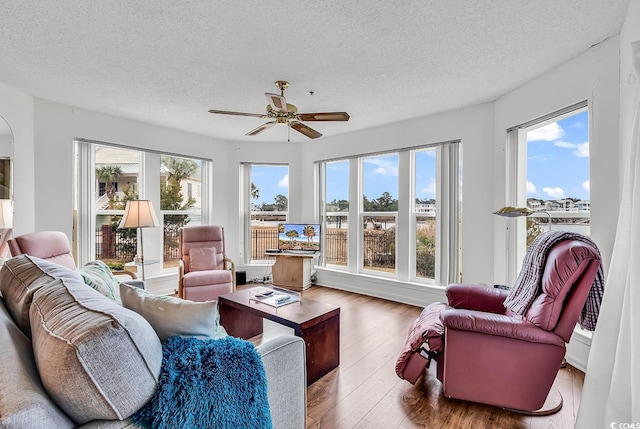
<point>129,164</point>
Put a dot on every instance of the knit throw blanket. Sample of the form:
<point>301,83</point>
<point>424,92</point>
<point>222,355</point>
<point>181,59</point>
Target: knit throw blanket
<point>528,283</point>
<point>217,383</point>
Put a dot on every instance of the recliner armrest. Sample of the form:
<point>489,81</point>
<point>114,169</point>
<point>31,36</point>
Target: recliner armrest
<point>476,297</point>
<point>498,325</point>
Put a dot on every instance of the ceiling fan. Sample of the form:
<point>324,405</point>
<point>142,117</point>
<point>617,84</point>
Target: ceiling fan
<point>283,113</point>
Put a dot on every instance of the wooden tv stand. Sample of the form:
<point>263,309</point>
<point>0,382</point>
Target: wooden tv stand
<point>292,270</point>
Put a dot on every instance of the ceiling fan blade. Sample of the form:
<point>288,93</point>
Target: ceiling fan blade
<point>324,116</point>
<point>277,102</point>
<point>302,128</point>
<point>261,128</point>
<point>225,112</point>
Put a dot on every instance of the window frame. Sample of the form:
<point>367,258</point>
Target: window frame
<point>246,211</point>
<point>448,203</point>
<point>516,181</point>
<point>148,187</point>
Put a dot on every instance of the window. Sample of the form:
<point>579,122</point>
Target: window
<point>424,212</point>
<point>408,216</point>
<point>379,212</point>
<point>122,174</point>
<point>266,196</point>
<point>550,166</point>
<point>336,211</point>
<point>178,209</point>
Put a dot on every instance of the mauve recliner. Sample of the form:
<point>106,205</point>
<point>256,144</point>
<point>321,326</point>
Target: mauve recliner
<point>491,355</point>
<point>205,272</point>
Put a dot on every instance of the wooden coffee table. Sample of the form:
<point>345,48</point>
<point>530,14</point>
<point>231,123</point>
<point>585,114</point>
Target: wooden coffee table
<point>317,323</point>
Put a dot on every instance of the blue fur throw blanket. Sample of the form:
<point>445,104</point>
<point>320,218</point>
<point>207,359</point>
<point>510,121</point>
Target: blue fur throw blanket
<point>217,383</point>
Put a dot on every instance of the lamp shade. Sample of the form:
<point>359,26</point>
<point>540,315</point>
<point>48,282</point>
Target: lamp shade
<point>510,211</point>
<point>6,214</point>
<point>139,214</point>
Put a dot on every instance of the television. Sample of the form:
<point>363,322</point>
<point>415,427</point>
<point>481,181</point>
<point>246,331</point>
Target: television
<point>299,237</point>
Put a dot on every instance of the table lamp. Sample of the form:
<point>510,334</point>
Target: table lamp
<point>139,214</point>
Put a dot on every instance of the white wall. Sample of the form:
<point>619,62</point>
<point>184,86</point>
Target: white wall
<point>265,153</point>
<point>473,126</point>
<point>57,125</point>
<point>592,76</point>
<point>17,109</point>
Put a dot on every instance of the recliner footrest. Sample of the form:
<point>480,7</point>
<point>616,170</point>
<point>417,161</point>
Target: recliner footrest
<point>425,340</point>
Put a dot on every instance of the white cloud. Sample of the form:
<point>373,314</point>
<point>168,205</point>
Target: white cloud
<point>586,186</point>
<point>431,188</point>
<point>531,188</point>
<point>557,193</point>
<point>284,182</point>
<point>565,145</point>
<point>582,150</point>
<point>385,168</point>
<point>548,133</point>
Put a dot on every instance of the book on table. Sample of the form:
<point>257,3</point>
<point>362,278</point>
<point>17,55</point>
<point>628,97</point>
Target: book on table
<point>275,296</point>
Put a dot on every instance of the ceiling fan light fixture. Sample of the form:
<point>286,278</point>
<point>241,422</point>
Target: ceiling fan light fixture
<point>283,113</point>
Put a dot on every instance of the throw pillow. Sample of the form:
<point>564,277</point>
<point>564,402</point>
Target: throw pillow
<point>203,258</point>
<point>174,316</point>
<point>96,359</point>
<point>98,275</point>
<point>20,278</point>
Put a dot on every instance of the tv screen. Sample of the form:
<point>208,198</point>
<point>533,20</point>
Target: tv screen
<point>299,236</point>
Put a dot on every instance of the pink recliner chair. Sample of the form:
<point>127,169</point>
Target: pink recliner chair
<point>50,245</point>
<point>491,355</point>
<point>205,272</point>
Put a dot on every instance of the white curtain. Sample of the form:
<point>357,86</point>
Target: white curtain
<point>611,393</point>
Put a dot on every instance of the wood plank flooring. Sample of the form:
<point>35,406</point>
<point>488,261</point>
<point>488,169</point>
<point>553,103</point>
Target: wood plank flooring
<point>364,391</point>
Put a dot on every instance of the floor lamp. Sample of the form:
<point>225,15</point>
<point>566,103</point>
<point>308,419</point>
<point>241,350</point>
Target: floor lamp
<point>139,214</point>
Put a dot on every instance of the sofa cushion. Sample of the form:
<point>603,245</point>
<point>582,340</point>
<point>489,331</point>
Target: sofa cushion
<point>23,400</point>
<point>20,278</point>
<point>174,316</point>
<point>98,275</point>
<point>97,360</point>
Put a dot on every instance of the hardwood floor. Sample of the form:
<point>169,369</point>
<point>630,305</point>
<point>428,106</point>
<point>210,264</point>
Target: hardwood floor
<point>365,392</point>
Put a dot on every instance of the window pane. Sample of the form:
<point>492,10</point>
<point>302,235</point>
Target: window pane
<point>117,177</point>
<point>425,208</point>
<point>379,243</point>
<point>337,206</point>
<point>380,184</point>
<point>179,205</point>
<point>558,184</point>
<point>380,198</point>
<point>269,206</point>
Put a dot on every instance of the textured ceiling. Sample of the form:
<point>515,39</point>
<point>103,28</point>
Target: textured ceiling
<point>168,62</point>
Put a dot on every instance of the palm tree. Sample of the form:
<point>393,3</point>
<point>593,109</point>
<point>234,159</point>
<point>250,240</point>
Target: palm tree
<point>292,235</point>
<point>309,231</point>
<point>179,168</point>
<point>109,174</point>
<point>255,192</point>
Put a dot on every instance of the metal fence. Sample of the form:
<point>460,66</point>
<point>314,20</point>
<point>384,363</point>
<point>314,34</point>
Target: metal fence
<point>122,244</point>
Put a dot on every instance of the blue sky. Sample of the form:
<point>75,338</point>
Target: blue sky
<point>558,159</point>
<point>271,180</point>
<point>557,167</point>
<point>381,175</point>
